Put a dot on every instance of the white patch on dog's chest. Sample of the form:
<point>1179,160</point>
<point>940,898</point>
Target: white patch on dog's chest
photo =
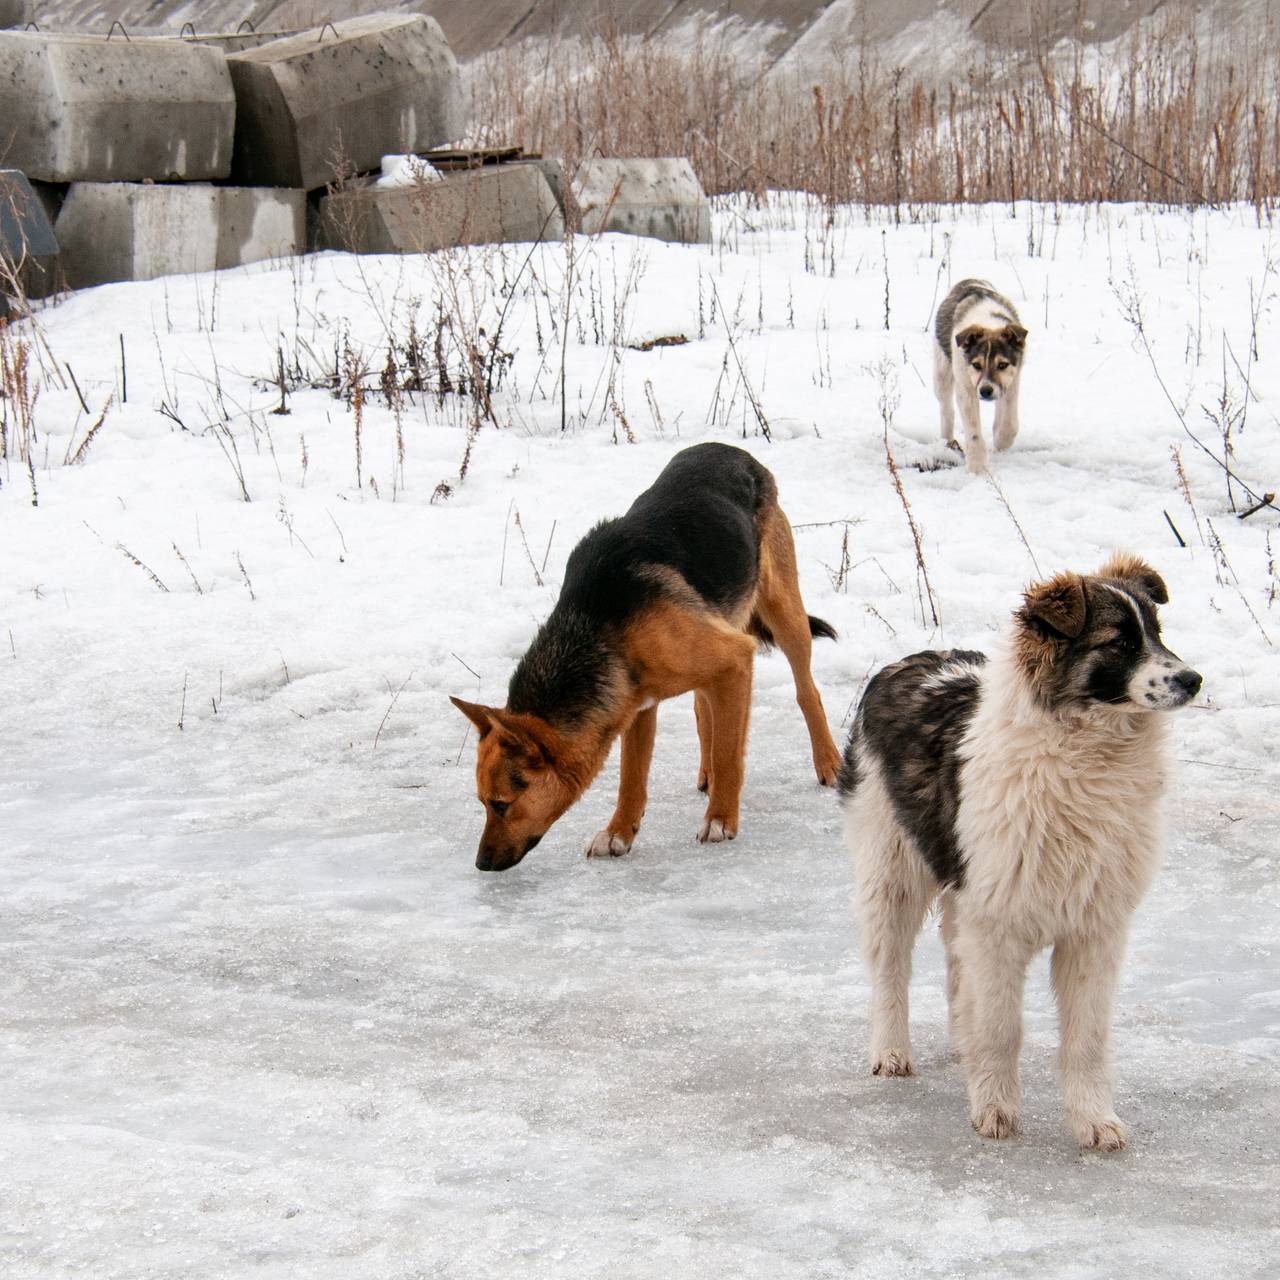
<point>1057,834</point>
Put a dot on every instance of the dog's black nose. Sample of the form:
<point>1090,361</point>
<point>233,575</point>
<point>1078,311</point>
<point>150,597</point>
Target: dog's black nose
<point>986,391</point>
<point>1189,681</point>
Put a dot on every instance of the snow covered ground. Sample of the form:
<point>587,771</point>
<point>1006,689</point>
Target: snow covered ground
<point>262,1016</point>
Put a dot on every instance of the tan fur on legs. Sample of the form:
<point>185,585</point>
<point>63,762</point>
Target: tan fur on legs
<point>729,698</point>
<point>702,716</point>
<point>781,608</point>
<point>633,792</point>
<point>674,649</point>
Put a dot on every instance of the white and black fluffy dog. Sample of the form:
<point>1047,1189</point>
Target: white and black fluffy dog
<point>1025,793</point>
<point>978,354</point>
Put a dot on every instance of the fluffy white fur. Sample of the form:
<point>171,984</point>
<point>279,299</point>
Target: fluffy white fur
<point>1059,824</point>
<point>953,385</point>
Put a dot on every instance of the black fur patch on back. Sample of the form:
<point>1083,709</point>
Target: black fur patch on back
<point>964,292</point>
<point>912,719</point>
<point>700,518</point>
<point>564,674</point>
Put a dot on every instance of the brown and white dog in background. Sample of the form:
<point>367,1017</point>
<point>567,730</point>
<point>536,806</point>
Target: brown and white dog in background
<point>979,353</point>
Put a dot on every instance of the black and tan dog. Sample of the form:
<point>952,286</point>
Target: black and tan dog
<point>674,596</point>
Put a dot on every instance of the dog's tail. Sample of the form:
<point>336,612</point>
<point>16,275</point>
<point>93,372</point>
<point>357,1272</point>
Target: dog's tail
<point>818,628</point>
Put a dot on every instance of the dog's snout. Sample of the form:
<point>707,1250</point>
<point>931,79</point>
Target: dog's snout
<point>1188,681</point>
<point>986,391</point>
<point>496,859</point>
<point>501,857</point>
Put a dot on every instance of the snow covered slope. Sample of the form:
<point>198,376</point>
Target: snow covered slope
<point>261,1015</point>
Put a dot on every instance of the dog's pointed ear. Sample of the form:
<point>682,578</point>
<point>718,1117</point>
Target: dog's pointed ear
<point>480,716</point>
<point>1058,604</point>
<point>1016,336</point>
<point>966,338</point>
<point>520,739</point>
<point>1131,568</point>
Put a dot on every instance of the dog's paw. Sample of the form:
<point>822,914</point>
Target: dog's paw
<point>714,830</point>
<point>827,766</point>
<point>975,461</point>
<point>995,1122</point>
<point>607,844</point>
<point>1004,439</point>
<point>1102,1133</point>
<point>893,1062</point>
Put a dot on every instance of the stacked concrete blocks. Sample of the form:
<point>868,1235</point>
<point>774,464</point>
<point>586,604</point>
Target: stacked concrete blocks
<point>125,231</point>
<point>661,198</point>
<point>318,106</point>
<point>83,108</point>
<point>504,203</point>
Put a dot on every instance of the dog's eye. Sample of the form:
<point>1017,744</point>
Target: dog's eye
<point>1002,365</point>
<point>977,364</point>
<point>1125,644</point>
<point>499,807</point>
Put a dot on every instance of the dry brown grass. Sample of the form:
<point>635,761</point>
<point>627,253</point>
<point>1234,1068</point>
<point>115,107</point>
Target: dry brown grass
<point>1157,118</point>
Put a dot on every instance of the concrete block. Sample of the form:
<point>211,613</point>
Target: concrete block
<point>661,198</point>
<point>502,204</point>
<point>553,170</point>
<point>255,223</point>
<point>124,231</point>
<point>310,105</point>
<point>229,42</point>
<point>82,108</point>
<point>28,247</point>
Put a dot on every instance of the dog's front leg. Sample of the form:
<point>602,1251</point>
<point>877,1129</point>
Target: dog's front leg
<point>1085,972</point>
<point>975,447</point>
<point>729,700</point>
<point>944,389</point>
<point>955,996</point>
<point>1006,424</point>
<point>994,970</point>
<point>633,788</point>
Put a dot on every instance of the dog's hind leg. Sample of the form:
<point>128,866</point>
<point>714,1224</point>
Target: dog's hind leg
<point>893,893</point>
<point>781,608</point>
<point>993,975</point>
<point>1085,973</point>
<point>702,717</point>
<point>947,928</point>
<point>633,788</point>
